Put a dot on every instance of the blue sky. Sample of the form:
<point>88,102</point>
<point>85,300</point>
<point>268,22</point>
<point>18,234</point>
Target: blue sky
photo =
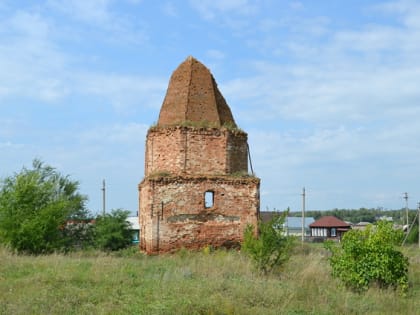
<point>328,91</point>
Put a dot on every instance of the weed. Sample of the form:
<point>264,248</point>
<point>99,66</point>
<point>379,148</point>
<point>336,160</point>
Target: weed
<point>222,282</point>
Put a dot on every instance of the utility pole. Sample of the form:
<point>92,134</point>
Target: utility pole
<point>303,214</point>
<point>417,216</point>
<point>103,197</point>
<point>406,208</point>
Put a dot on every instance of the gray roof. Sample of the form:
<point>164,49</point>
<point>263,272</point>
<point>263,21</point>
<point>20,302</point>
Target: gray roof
<point>134,223</point>
<point>296,222</point>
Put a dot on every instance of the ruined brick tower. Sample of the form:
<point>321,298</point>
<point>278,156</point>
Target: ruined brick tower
<point>196,190</point>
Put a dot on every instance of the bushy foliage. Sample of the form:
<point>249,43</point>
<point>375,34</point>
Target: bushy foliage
<point>79,233</point>
<point>34,207</point>
<point>413,236</point>
<point>366,258</point>
<point>112,231</point>
<point>269,247</point>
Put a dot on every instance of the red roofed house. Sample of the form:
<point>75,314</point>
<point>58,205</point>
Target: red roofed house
<point>328,227</point>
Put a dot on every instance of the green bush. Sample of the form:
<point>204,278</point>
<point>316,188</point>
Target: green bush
<point>369,258</point>
<point>112,231</point>
<point>79,234</point>
<point>35,205</point>
<point>413,236</point>
<point>271,247</point>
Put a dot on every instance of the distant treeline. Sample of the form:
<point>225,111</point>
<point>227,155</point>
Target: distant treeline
<point>360,215</point>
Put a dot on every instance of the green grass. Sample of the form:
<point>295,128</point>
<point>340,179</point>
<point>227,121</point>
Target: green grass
<point>218,282</point>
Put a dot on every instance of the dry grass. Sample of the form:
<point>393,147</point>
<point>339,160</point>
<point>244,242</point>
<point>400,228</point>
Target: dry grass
<point>219,282</point>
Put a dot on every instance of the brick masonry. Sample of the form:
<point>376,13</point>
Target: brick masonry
<point>188,150</point>
<point>175,214</point>
<point>196,190</point>
<point>193,96</point>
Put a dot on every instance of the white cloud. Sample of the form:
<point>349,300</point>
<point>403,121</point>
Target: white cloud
<point>24,23</point>
<point>107,25</point>
<point>88,153</point>
<point>124,92</point>
<point>409,10</point>
<point>341,167</point>
<point>237,16</point>
<point>350,113</point>
<point>31,64</point>
<point>352,77</point>
<point>296,5</point>
<point>170,9</point>
<point>92,11</point>
<point>209,9</point>
<point>9,145</point>
<point>215,54</point>
<point>35,66</point>
<point>131,134</point>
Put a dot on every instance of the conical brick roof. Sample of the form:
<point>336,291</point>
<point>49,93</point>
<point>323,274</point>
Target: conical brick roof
<point>192,96</point>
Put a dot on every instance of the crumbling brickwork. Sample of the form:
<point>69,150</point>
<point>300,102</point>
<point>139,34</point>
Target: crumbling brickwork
<point>189,151</point>
<point>176,216</point>
<point>196,190</point>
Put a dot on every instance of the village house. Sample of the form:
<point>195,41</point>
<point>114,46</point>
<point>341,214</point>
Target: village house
<point>197,190</point>
<point>133,222</point>
<point>292,225</point>
<point>328,227</point>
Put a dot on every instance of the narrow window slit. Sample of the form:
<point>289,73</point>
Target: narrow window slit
<point>208,199</point>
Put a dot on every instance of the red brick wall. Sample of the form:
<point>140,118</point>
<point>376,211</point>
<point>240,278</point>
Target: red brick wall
<point>182,163</point>
<point>190,150</point>
<point>173,213</point>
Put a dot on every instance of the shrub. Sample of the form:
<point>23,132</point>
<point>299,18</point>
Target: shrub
<point>413,236</point>
<point>367,258</point>
<point>112,231</point>
<point>270,247</point>
<point>79,234</point>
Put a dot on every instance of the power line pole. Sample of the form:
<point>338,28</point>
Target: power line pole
<point>406,207</point>
<point>103,197</point>
<point>303,214</point>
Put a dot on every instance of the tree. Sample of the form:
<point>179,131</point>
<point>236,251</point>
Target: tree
<point>271,247</point>
<point>366,258</point>
<point>34,207</point>
<point>112,231</point>
<point>78,233</point>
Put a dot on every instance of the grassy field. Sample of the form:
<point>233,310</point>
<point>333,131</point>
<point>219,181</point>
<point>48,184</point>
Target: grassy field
<point>220,282</point>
